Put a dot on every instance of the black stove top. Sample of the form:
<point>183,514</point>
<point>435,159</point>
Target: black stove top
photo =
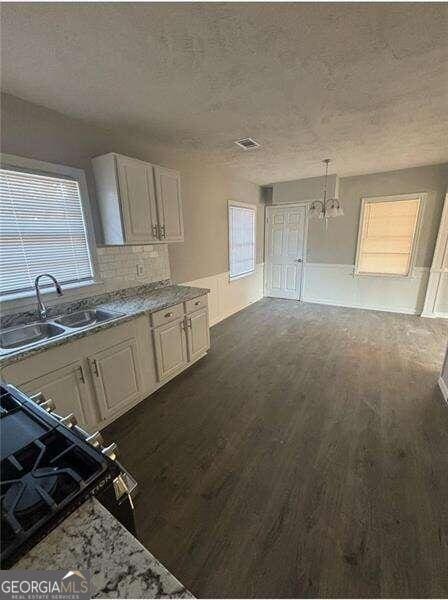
<point>47,471</point>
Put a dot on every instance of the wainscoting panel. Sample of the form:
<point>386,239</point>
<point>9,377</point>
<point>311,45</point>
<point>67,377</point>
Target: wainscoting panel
<point>228,297</point>
<point>441,303</point>
<point>336,284</point>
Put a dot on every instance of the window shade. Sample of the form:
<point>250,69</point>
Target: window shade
<point>387,236</point>
<point>42,230</point>
<point>241,240</point>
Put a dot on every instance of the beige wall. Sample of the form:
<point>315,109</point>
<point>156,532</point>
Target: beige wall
<point>303,190</point>
<point>36,132</point>
<point>337,245</point>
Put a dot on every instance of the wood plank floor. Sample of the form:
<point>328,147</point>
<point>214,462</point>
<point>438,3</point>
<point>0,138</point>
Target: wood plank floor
<point>306,456</point>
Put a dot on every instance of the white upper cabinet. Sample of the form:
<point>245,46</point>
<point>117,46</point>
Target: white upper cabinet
<point>170,204</point>
<point>139,203</point>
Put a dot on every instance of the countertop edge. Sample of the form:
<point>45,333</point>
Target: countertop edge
<point>8,359</point>
<point>91,539</point>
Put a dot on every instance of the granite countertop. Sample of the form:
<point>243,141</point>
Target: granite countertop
<point>155,300</point>
<point>144,302</point>
<point>120,567</point>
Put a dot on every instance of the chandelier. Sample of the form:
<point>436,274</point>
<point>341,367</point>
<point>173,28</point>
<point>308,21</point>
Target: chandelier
<point>327,207</point>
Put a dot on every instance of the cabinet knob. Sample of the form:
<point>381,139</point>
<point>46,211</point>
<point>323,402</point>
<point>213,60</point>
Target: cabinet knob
<point>197,303</point>
<point>168,315</point>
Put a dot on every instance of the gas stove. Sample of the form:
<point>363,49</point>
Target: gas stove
<point>49,466</point>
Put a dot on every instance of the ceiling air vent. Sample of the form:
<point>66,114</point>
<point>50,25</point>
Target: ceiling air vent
<point>247,144</point>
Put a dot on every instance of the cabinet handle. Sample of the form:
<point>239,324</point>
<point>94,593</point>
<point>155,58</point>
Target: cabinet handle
<point>189,322</point>
<point>154,231</point>
<point>162,231</point>
<point>81,374</point>
<point>168,314</point>
<point>95,367</point>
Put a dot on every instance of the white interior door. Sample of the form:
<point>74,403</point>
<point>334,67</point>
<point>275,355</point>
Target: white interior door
<point>285,248</point>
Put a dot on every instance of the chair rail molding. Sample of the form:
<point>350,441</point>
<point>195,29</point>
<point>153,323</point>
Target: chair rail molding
<point>228,297</point>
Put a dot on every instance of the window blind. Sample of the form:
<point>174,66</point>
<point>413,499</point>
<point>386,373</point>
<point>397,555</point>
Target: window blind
<point>42,230</point>
<point>241,240</point>
<point>387,236</point>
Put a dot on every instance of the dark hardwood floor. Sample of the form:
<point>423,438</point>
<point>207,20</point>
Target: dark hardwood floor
<point>306,456</point>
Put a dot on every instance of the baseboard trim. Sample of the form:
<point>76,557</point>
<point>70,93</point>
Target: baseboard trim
<point>434,315</point>
<point>444,389</point>
<point>405,311</point>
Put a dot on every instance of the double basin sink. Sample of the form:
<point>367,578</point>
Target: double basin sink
<point>26,335</point>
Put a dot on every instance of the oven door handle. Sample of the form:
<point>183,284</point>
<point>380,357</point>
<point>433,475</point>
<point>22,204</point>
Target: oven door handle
<point>124,486</point>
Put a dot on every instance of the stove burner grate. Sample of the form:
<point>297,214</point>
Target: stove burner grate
<point>41,477</point>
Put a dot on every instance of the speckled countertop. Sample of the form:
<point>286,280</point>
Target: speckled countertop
<point>131,306</point>
<point>120,567</point>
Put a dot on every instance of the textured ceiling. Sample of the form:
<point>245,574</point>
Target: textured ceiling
<point>366,83</point>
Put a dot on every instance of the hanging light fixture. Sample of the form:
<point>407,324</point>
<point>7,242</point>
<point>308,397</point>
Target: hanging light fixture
<point>327,207</point>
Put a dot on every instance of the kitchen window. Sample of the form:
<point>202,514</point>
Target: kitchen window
<point>387,237</point>
<point>42,225</point>
<point>242,219</point>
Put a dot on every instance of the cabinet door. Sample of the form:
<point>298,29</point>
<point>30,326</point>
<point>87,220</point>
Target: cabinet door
<point>138,202</point>
<point>171,348</point>
<point>68,389</point>
<point>169,203</point>
<point>116,376</point>
<point>198,334</point>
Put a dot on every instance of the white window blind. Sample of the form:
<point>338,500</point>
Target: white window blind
<point>241,240</point>
<point>387,235</point>
<point>42,230</point>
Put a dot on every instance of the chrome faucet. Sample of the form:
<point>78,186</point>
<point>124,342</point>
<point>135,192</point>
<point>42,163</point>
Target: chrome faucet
<point>41,308</point>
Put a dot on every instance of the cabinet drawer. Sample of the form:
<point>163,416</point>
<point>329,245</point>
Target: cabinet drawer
<point>196,304</point>
<point>167,314</point>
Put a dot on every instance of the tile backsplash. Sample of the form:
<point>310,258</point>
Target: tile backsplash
<point>126,266</point>
<point>118,268</point>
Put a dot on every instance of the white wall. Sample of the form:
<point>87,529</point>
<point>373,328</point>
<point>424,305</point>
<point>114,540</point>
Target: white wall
<point>336,284</point>
<point>228,297</point>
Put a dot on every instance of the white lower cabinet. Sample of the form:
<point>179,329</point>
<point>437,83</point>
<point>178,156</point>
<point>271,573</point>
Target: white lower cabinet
<point>68,388</point>
<point>198,334</point>
<point>171,348</point>
<point>100,376</point>
<point>116,376</point>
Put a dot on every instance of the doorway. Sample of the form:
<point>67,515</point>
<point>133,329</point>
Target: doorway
<point>285,244</point>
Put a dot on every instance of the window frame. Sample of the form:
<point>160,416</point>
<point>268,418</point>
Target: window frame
<point>253,207</point>
<point>421,196</point>
<point>38,167</point>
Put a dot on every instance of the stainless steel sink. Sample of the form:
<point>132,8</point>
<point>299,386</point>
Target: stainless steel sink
<point>16,337</point>
<point>83,318</point>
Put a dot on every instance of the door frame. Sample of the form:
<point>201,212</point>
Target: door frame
<point>269,208</point>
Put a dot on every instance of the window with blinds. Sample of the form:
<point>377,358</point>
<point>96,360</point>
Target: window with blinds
<point>387,236</point>
<point>42,230</point>
<point>241,239</point>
